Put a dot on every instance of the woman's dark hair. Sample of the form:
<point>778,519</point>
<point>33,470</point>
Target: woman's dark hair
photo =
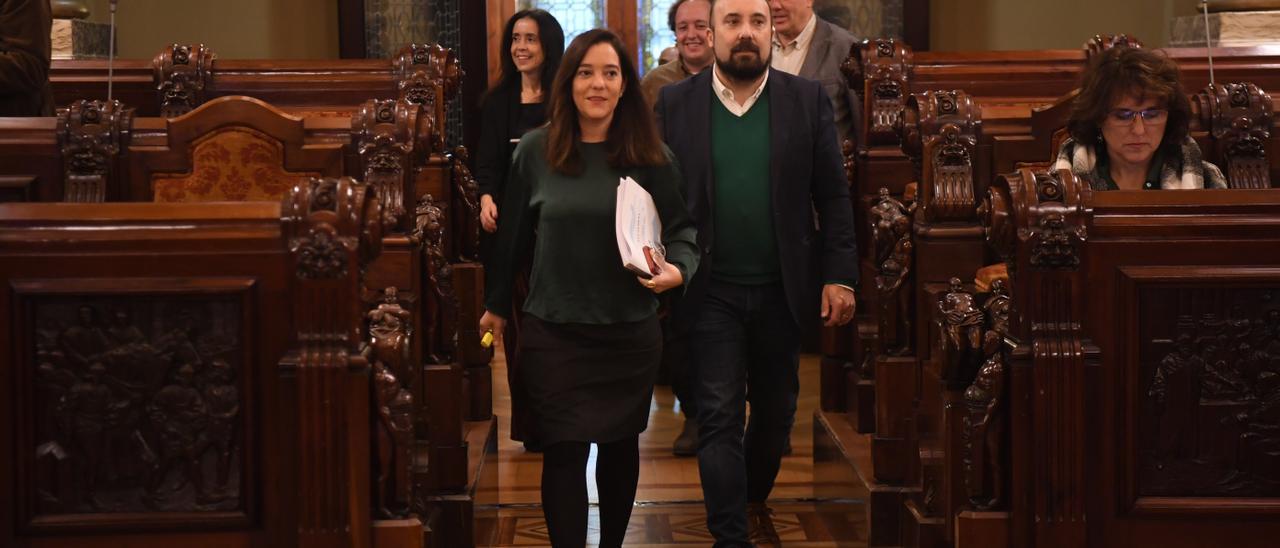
<point>1121,72</point>
<point>632,140</point>
<point>550,35</point>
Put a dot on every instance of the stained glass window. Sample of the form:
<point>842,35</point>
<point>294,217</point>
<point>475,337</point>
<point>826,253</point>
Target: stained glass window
<point>576,16</point>
<point>655,35</point>
<point>393,24</point>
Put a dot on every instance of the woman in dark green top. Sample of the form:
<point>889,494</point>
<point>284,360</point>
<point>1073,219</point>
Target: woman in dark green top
<point>590,341</point>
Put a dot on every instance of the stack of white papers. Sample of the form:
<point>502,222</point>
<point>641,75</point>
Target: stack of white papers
<point>639,229</point>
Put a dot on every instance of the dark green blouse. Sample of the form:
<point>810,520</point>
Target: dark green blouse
<point>577,274</point>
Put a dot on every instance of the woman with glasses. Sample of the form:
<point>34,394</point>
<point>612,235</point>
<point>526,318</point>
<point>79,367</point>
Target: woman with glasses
<point>1129,127</point>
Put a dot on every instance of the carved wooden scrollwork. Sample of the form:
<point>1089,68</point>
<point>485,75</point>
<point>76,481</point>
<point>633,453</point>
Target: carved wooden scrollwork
<point>388,351</point>
<point>466,192</point>
<point>881,71</point>
<point>91,135</point>
<point>441,335</point>
<point>894,256</point>
<point>1239,116</point>
<point>943,138</point>
<point>329,220</point>
<point>428,75</point>
<point>182,73</point>
<point>1041,208</point>
<point>385,135</point>
<point>1103,42</point>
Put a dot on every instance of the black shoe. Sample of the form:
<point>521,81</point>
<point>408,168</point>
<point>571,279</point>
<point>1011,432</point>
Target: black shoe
<point>686,444</point>
<point>760,525</point>
<point>532,447</point>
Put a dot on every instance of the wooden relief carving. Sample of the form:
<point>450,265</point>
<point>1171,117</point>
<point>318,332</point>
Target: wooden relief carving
<point>943,141</point>
<point>428,75</point>
<point>441,300</point>
<point>849,153</point>
<point>91,135</point>
<point>894,255</point>
<point>138,405</point>
<point>1239,115</point>
<point>466,191</point>
<point>985,410</point>
<point>1211,389</point>
<point>182,73</point>
<point>384,132</point>
<point>1103,42</point>
<point>393,372</point>
<point>881,71</point>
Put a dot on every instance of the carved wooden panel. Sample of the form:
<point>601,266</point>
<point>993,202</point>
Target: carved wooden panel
<point>1103,42</point>
<point>940,131</point>
<point>91,135</point>
<point>1208,390</point>
<point>881,71</point>
<point>181,74</point>
<point>135,403</point>
<point>384,133</point>
<point>1238,115</point>
<point>428,75</point>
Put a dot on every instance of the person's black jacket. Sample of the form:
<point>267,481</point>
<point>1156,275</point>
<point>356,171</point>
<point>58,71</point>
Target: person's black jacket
<point>806,177</point>
<point>25,49</point>
<point>498,111</point>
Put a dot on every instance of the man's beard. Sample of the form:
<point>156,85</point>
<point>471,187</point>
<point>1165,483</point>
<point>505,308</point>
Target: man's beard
<point>744,70</point>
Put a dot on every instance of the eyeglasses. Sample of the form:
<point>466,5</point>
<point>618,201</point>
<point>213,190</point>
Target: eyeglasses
<point>1124,116</point>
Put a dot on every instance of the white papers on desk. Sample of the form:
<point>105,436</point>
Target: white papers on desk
<point>639,229</point>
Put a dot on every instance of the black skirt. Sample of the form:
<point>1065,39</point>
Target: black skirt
<point>590,383</point>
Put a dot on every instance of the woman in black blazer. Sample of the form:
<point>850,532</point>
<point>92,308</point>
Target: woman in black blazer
<point>532,46</point>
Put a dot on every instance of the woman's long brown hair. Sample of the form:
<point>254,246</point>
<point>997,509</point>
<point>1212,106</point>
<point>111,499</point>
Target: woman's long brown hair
<point>632,139</point>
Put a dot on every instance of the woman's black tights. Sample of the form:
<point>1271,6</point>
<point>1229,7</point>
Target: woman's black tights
<point>564,490</point>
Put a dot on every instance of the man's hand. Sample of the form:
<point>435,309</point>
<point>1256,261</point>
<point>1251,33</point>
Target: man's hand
<point>838,305</point>
<point>667,278</point>
<point>488,214</point>
<point>493,323</point>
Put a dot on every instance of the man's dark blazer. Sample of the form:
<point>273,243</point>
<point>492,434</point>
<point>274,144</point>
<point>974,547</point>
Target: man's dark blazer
<point>806,176</point>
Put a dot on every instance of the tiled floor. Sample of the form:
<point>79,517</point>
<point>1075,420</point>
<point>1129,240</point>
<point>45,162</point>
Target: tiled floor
<point>669,495</point>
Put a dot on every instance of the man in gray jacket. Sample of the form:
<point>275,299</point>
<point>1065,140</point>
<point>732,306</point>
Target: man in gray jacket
<point>807,46</point>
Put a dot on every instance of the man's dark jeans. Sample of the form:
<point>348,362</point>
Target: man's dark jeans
<point>744,347</point>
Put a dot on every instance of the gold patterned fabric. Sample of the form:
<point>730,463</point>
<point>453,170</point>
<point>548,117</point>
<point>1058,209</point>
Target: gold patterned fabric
<point>233,164</point>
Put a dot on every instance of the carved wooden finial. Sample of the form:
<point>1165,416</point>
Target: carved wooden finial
<point>91,135</point>
<point>182,74</point>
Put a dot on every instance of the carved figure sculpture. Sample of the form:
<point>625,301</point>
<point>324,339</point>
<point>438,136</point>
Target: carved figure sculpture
<point>1175,393</point>
<point>441,302</point>
<point>961,333</point>
<point>894,262</point>
<point>223,401</point>
<point>389,332</point>
<point>180,414</point>
<point>84,410</point>
<point>984,428</point>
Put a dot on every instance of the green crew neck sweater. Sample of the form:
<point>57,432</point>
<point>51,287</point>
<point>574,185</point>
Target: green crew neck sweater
<point>577,274</point>
<point>746,247</point>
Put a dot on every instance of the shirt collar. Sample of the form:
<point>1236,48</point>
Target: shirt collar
<point>802,40</point>
<point>726,95</point>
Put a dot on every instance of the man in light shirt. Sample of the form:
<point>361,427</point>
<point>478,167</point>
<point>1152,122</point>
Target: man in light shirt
<point>807,46</point>
<point>765,185</point>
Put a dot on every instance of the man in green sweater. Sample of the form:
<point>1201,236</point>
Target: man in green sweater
<point>765,185</point>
